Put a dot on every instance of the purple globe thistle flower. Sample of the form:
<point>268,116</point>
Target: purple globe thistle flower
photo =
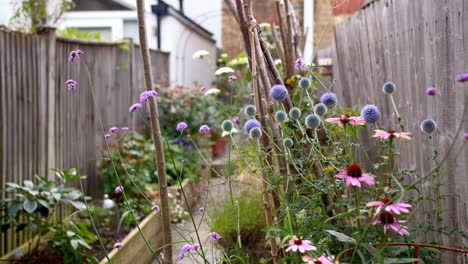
<point>329,100</point>
<point>107,136</point>
<point>428,126</point>
<point>215,236</point>
<point>201,210</point>
<point>389,88</point>
<point>431,91</point>
<point>74,54</point>
<point>195,247</point>
<point>462,77</point>
<point>205,129</point>
<point>299,64</point>
<point>370,113</point>
<point>113,130</point>
<point>465,135</point>
<point>134,107</point>
<point>251,123</point>
<point>71,84</point>
<point>155,208</point>
<point>279,92</point>
<point>118,245</point>
<point>124,130</point>
<point>232,78</point>
<point>236,120</point>
<point>181,126</point>
<point>119,189</point>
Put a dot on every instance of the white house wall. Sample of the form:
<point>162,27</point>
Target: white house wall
<point>182,42</point>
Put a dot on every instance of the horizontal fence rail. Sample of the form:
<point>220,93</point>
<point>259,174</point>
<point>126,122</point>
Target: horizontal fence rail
<point>415,44</point>
<point>43,125</point>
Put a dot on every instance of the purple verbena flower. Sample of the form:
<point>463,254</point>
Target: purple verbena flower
<point>118,245</point>
<point>202,89</point>
<point>462,77</point>
<point>181,256</point>
<point>465,135</point>
<point>299,64</point>
<point>181,126</point>
<point>155,207</point>
<point>107,136</point>
<point>119,189</point>
<point>195,247</point>
<point>232,78</point>
<point>431,91</point>
<point>74,54</point>
<point>124,130</point>
<point>205,129</point>
<point>252,95</point>
<point>134,107</point>
<point>186,248</point>
<point>71,84</point>
<point>201,209</point>
<point>215,236</point>
<point>236,120</point>
<point>144,96</point>
<point>113,130</point>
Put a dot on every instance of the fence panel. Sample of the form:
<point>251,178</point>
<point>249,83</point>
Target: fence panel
<point>416,44</point>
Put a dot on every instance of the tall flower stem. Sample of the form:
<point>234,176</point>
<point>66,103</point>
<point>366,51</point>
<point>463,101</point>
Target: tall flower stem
<point>156,134</point>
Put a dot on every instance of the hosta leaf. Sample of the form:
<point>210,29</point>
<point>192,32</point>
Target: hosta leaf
<point>28,184</point>
<point>29,206</point>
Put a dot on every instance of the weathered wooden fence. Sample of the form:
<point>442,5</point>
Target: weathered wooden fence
<point>43,125</point>
<point>416,44</point>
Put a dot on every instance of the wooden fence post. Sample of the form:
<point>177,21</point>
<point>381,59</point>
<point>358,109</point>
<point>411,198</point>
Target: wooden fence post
<point>50,100</point>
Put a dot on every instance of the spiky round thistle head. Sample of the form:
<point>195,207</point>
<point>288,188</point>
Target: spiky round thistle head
<point>295,113</point>
<point>428,126</point>
<point>329,99</point>
<point>370,113</point>
<point>304,83</point>
<point>251,123</point>
<point>281,116</point>
<point>312,121</point>
<point>227,125</point>
<point>255,132</point>
<point>320,109</point>
<point>279,92</point>
<point>389,88</point>
<point>250,110</point>
<point>287,142</point>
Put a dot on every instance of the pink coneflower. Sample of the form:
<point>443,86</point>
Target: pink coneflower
<point>387,204</point>
<point>119,189</point>
<point>215,236</point>
<point>71,84</point>
<point>118,245</point>
<point>431,91</point>
<point>205,129</point>
<point>391,134</point>
<point>388,221</point>
<point>232,78</point>
<point>354,176</point>
<point>320,260</point>
<point>346,119</point>
<point>296,244</point>
<point>134,107</point>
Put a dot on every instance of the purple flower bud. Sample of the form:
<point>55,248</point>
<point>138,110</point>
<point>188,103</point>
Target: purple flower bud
<point>431,91</point>
<point>195,247</point>
<point>202,89</point>
<point>252,95</point>
<point>71,84</point>
<point>133,170</point>
<point>236,120</point>
<point>462,77</point>
<point>181,256</point>
<point>299,64</point>
<point>144,96</point>
<point>201,209</point>
<point>181,126</point>
<point>232,78</point>
<point>205,129</point>
<point>186,248</point>
<point>189,136</point>
<point>215,236</point>
<point>119,189</point>
<point>124,130</point>
<point>113,130</point>
<point>134,107</point>
<point>107,136</point>
<point>74,54</point>
<point>465,135</point>
<point>118,245</point>
<point>155,207</point>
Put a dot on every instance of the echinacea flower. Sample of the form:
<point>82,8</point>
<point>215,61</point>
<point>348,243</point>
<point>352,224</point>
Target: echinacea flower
<point>155,208</point>
<point>205,129</point>
<point>431,91</point>
<point>181,126</point>
<point>388,221</point>
<point>74,54</point>
<point>119,189</point>
<point>462,77</point>
<point>113,130</point>
<point>354,176</point>
<point>71,84</point>
<point>387,204</point>
<point>232,78</point>
<point>124,130</point>
<point>346,119</point>
<point>296,244</point>
<point>215,236</point>
<point>391,134</point>
<point>134,107</point>
<point>118,245</point>
<point>320,260</point>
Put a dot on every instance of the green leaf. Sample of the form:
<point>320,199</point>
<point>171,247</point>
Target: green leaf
<point>74,243</point>
<point>342,237</point>
<point>57,196</point>
<point>29,184</point>
<point>70,233</point>
<point>43,203</point>
<point>84,244</point>
<point>14,208</point>
<point>77,204</point>
<point>12,185</point>
<point>29,206</point>
<point>402,260</point>
<point>122,218</point>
